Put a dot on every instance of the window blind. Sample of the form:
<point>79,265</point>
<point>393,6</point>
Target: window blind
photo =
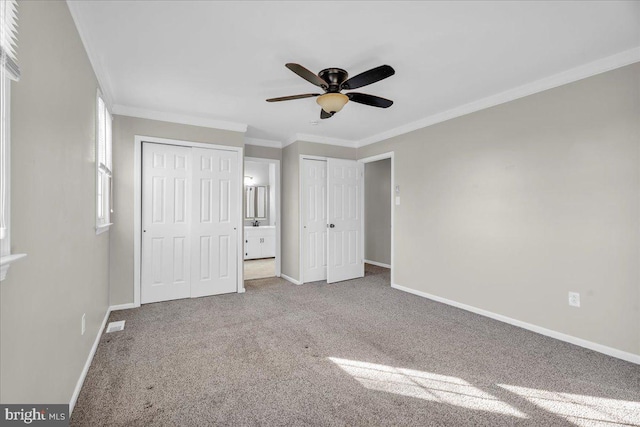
<point>9,38</point>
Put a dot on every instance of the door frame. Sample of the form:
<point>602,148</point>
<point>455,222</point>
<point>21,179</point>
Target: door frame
<point>275,162</point>
<point>301,213</point>
<point>383,156</point>
<point>137,207</point>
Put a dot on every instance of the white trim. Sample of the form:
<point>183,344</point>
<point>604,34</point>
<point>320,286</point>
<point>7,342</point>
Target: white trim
<point>379,264</point>
<point>240,225</point>
<point>122,307</point>
<point>574,74</point>
<point>290,279</point>
<point>629,357</point>
<point>6,261</point>
<point>137,206</point>
<point>185,119</point>
<point>277,221</point>
<point>382,156</point>
<point>87,364</point>
<point>262,142</point>
<point>312,157</point>
<point>137,218</point>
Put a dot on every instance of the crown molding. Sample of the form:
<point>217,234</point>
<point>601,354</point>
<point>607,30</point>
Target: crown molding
<point>184,119</point>
<point>262,142</point>
<point>609,63</point>
<point>100,71</point>
<point>599,66</point>
<point>574,74</point>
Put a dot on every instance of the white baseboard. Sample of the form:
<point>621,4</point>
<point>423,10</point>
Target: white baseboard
<point>290,279</point>
<point>122,307</point>
<point>379,264</point>
<point>610,351</point>
<point>87,364</point>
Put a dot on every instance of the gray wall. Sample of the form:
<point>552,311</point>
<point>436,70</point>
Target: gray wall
<point>262,152</point>
<point>510,208</point>
<point>53,214</point>
<point>377,211</point>
<point>124,131</point>
<point>290,246</point>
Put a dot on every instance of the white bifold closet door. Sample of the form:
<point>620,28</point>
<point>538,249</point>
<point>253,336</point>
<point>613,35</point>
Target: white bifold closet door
<point>314,220</point>
<point>189,205</point>
<point>215,209</point>
<point>345,194</point>
<point>332,196</point>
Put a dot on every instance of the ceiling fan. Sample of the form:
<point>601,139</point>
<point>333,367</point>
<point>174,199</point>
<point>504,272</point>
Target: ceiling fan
<point>335,80</point>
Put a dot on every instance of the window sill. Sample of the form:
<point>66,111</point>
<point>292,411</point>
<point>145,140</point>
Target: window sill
<point>103,228</point>
<point>5,263</point>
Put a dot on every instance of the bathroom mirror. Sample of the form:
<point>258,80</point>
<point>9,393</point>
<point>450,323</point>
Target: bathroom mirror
<point>255,202</point>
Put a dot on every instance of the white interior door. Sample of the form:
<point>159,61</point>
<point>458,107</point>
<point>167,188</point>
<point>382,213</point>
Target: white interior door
<point>213,231</point>
<point>166,216</point>
<point>314,220</point>
<point>345,258</point>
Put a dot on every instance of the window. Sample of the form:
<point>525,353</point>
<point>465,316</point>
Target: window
<point>103,167</point>
<point>9,71</point>
<point>5,86</point>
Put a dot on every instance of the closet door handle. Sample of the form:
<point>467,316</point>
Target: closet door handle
<point>332,226</point>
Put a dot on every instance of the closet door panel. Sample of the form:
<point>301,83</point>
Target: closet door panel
<point>166,222</point>
<point>215,193</point>
<point>314,220</point>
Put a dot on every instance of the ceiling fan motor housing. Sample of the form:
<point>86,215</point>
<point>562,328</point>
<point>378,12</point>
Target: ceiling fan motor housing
<point>334,78</point>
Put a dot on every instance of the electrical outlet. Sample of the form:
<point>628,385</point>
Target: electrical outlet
<point>574,299</point>
<point>84,315</point>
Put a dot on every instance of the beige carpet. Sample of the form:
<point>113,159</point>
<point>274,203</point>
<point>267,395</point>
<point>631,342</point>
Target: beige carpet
<point>259,268</point>
<point>345,354</point>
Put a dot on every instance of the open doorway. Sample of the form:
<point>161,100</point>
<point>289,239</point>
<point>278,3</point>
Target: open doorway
<point>378,215</point>
<point>261,218</point>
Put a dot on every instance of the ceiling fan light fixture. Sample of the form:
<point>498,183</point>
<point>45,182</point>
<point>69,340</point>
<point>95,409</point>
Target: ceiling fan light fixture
<point>332,102</point>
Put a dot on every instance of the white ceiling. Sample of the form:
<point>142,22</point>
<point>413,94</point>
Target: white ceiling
<point>215,63</point>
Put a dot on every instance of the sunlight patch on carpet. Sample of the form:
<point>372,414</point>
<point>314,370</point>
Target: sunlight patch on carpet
<point>580,409</point>
<point>424,385</point>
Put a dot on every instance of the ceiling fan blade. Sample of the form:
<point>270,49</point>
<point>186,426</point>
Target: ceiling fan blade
<point>306,74</point>
<point>368,77</point>
<point>289,98</point>
<point>325,115</point>
<point>374,101</point>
